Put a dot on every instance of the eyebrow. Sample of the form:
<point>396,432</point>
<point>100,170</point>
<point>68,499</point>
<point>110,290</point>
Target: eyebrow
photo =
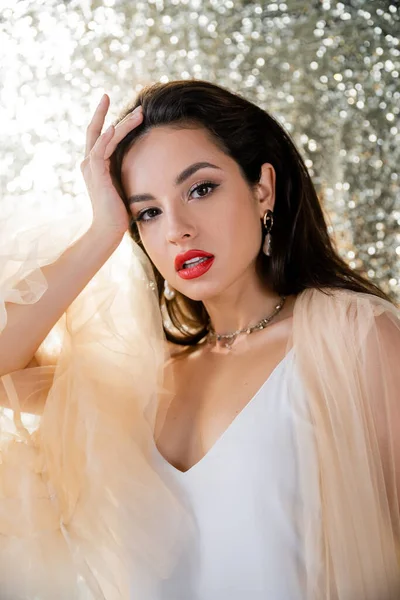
<point>186,173</point>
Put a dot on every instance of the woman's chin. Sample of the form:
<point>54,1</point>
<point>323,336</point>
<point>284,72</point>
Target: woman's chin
<point>202,295</point>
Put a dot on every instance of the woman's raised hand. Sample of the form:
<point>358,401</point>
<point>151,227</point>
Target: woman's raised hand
<point>109,213</point>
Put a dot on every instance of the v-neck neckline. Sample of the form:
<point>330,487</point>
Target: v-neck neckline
<point>236,421</point>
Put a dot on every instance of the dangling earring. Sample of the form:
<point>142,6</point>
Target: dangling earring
<point>169,293</point>
<point>268,221</point>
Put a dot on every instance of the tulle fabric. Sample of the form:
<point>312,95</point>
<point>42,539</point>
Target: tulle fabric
<point>348,349</point>
<point>83,512</point>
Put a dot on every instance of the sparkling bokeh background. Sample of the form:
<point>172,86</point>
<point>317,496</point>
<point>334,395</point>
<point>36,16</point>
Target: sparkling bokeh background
<point>329,71</point>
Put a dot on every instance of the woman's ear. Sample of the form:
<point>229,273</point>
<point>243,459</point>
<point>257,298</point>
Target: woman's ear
<point>265,189</point>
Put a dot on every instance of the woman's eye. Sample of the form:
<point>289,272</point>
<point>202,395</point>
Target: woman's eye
<point>147,215</point>
<point>200,190</point>
<point>203,189</point>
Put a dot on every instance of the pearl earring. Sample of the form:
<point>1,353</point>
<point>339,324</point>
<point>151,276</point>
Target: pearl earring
<point>169,293</point>
<point>268,221</point>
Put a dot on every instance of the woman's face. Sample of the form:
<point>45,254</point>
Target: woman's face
<point>186,194</point>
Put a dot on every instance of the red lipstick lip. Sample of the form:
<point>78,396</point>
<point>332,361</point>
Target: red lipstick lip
<point>184,256</point>
<point>196,270</point>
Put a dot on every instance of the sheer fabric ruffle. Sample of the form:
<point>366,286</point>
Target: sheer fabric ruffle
<point>348,354</point>
<point>83,512</point>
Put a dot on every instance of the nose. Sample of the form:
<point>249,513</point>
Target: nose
<point>179,227</point>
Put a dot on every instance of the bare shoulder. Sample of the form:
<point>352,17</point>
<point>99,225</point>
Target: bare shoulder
<point>176,371</point>
<point>178,358</point>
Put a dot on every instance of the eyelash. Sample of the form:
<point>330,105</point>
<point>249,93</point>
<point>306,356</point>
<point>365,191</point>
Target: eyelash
<point>209,184</point>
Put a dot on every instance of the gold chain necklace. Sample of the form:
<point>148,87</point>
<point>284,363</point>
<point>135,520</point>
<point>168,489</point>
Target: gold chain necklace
<point>231,337</point>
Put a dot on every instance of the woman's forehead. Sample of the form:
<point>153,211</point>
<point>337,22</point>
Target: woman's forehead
<point>170,150</point>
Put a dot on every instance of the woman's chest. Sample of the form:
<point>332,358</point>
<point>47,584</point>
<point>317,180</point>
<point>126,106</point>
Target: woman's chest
<point>206,394</point>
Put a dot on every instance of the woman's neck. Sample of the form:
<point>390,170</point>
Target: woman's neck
<point>242,305</point>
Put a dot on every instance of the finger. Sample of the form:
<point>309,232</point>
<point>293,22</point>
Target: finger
<point>122,129</point>
<point>99,148</point>
<point>95,126</point>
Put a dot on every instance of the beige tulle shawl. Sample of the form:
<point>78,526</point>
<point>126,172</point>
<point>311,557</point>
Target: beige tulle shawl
<point>84,515</point>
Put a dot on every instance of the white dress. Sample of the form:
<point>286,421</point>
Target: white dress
<point>243,494</point>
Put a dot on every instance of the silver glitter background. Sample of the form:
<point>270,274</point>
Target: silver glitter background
<point>329,71</point>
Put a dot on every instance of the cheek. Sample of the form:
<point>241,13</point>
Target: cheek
<point>151,239</point>
<point>243,226</point>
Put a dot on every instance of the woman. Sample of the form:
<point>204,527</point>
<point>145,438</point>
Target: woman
<point>257,455</point>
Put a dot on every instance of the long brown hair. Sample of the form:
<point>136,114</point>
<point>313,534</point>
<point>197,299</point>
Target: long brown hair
<point>303,255</point>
